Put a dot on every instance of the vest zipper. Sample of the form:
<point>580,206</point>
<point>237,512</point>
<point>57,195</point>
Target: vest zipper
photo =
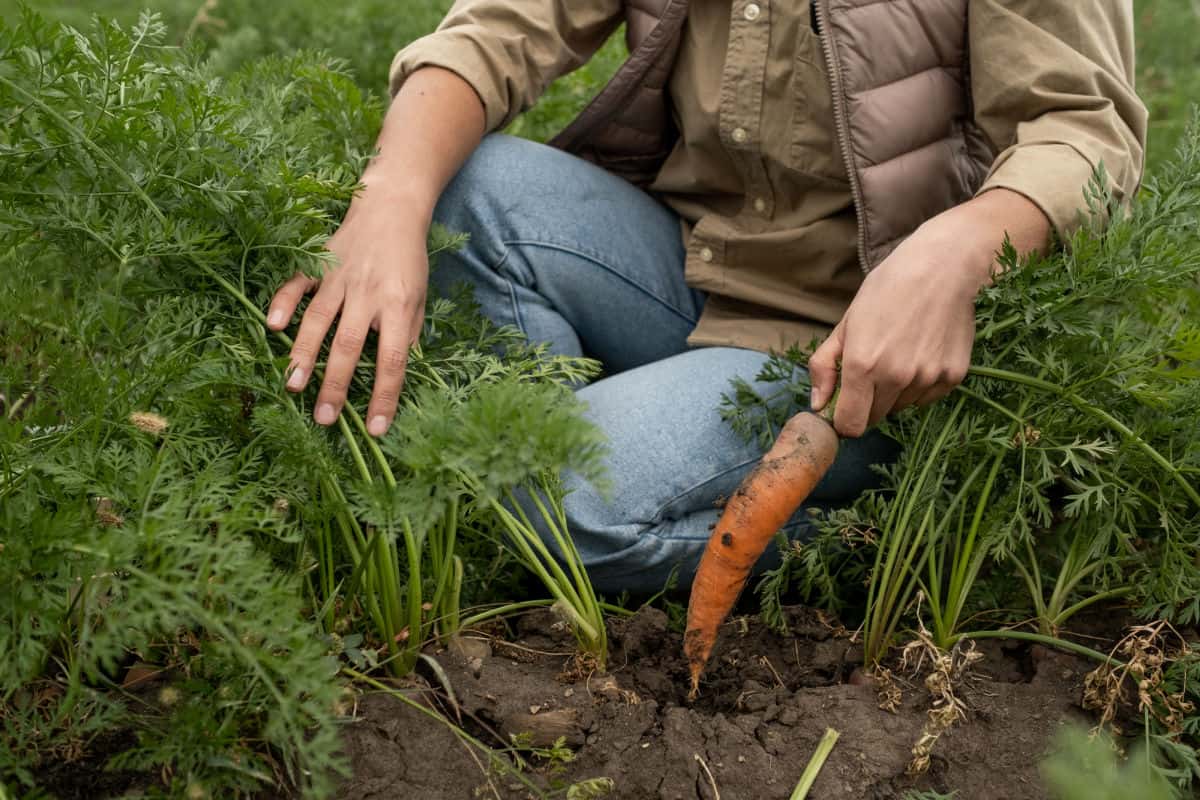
<point>841,118</point>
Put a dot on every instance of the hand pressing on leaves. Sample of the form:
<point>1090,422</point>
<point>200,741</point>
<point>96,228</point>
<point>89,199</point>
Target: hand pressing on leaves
<point>382,269</point>
<point>908,334</point>
<point>379,283</point>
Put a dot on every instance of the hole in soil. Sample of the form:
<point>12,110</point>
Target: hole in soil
<point>752,666</point>
<point>1007,661</point>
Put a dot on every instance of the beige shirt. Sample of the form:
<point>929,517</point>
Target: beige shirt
<point>757,175</point>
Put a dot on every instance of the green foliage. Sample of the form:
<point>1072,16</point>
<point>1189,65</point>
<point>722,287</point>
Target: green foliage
<point>162,497</point>
<point>759,418</point>
<point>176,13</point>
<point>1087,768</point>
<point>1069,455</point>
<point>1168,80</point>
<point>118,542</point>
<point>366,33</point>
<point>553,759</point>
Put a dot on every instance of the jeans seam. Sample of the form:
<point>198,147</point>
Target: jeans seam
<point>657,518</point>
<point>595,259</point>
<point>512,294</point>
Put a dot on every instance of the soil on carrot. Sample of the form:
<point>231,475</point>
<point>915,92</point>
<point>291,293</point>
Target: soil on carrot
<point>765,702</point>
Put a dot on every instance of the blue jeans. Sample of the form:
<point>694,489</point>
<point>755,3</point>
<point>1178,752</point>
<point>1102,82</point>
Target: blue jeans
<point>591,265</point>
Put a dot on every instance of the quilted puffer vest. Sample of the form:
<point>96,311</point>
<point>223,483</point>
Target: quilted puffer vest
<point>903,114</point>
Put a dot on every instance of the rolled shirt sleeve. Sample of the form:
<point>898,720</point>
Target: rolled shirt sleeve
<point>1052,82</point>
<point>509,51</point>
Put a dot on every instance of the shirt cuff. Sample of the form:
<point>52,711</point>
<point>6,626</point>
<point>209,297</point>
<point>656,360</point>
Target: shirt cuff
<point>1052,176</point>
<point>461,55</point>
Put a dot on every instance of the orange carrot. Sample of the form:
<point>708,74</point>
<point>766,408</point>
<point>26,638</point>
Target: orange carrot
<point>767,498</point>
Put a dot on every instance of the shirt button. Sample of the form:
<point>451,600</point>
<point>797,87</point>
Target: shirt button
<point>740,136</point>
<point>760,205</point>
<point>706,255</point>
<point>753,11</point>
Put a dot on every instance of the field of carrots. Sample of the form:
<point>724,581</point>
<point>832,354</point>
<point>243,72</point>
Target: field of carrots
<point>205,595</point>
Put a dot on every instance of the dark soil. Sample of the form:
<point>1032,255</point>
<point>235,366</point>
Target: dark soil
<point>765,702</point>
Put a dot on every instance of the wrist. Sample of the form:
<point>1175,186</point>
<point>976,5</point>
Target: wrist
<point>979,228</point>
<point>1002,214</point>
<point>396,189</point>
<point>962,247</point>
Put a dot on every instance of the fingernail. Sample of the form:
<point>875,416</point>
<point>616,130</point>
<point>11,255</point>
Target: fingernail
<point>297,378</point>
<point>814,398</point>
<point>378,425</point>
<point>326,414</point>
<point>275,318</point>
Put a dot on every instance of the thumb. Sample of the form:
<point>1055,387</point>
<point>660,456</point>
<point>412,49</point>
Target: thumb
<point>822,369</point>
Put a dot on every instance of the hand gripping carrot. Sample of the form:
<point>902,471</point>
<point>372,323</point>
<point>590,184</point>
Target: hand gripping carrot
<point>767,498</point>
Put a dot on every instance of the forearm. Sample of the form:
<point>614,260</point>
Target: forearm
<point>978,229</point>
<point>435,122</point>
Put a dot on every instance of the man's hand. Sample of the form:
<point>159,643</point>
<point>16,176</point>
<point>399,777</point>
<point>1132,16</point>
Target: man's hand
<point>907,337</point>
<point>382,272</point>
<point>379,283</point>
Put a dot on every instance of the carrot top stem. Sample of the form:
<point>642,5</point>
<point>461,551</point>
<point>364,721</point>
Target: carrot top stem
<point>830,408</point>
<point>809,776</point>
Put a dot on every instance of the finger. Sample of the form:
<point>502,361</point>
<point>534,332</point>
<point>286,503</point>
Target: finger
<point>886,395</point>
<point>344,354</point>
<point>318,318</point>
<point>390,364</point>
<point>921,385</point>
<point>418,323</point>
<point>909,397</point>
<point>854,403</point>
<point>283,304</point>
<point>949,380</point>
<point>933,395</point>
<point>822,369</point>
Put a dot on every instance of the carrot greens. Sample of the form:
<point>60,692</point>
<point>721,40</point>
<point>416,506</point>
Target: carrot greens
<point>166,508</point>
<point>1067,461</point>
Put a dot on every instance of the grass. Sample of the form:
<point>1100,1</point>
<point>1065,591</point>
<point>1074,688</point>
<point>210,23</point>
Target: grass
<point>1168,79</point>
<point>367,32</point>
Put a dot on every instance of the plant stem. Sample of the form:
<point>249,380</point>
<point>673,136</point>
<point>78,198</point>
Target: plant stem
<point>442,542</point>
<point>1033,581</point>
<point>1121,591</point>
<point>453,614</point>
<point>809,776</point>
<point>494,612</point>
<point>546,567</point>
<point>355,452</point>
<point>1049,641</point>
<point>880,577</point>
<point>966,566</point>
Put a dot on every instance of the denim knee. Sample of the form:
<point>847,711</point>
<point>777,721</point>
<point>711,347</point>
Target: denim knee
<point>489,180</point>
